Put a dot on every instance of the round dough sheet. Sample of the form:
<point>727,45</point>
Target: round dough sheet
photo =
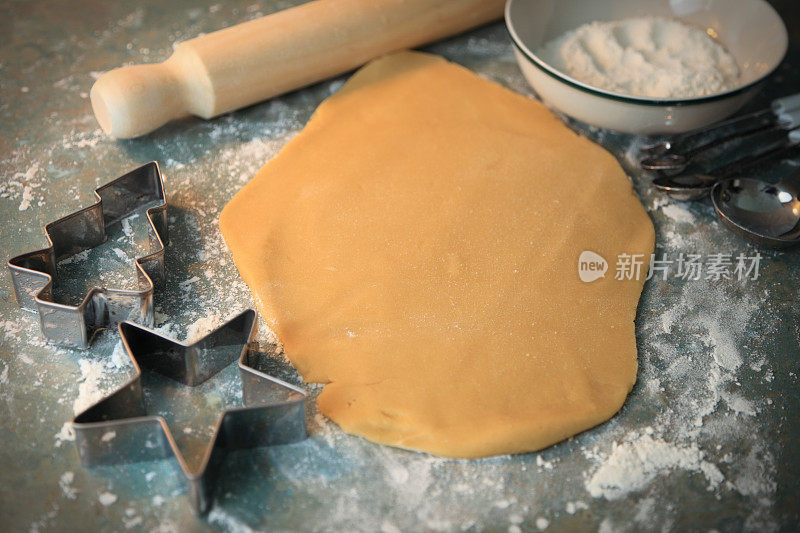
<point>416,248</point>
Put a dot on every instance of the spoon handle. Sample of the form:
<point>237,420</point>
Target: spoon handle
<point>675,143</point>
<point>785,120</point>
<point>768,125</point>
<point>774,149</point>
<point>779,108</point>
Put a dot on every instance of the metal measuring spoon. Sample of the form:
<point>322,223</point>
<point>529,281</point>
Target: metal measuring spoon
<point>686,187</point>
<point>760,212</point>
<point>693,186</point>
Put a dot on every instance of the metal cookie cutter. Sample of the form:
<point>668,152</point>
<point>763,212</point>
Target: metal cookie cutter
<point>33,273</point>
<point>117,429</point>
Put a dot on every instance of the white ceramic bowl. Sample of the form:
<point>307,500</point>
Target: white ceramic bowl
<point>749,29</point>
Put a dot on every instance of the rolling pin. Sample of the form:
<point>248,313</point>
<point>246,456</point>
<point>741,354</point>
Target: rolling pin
<point>250,62</point>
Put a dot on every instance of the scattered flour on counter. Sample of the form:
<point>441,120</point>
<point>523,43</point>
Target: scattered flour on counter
<point>698,354</point>
<point>723,345</point>
<point>133,19</point>
<point>677,213</point>
<point>127,225</point>
<point>203,326</point>
<point>28,174</point>
<point>89,389</point>
<point>220,518</point>
<point>644,510</point>
<point>166,527</point>
<point>119,357</point>
<point>388,527</point>
<point>27,196</point>
<point>83,139</point>
<point>755,478</point>
<point>636,461</point>
<point>648,57</point>
<point>397,473</point>
<point>132,522</point>
<point>107,498</point>
<point>77,258</point>
<point>502,504</point>
<point>574,507</point>
<point>185,285</point>
<point>716,320</point>
<point>659,200</point>
<point>247,158</point>
<point>65,483</point>
<point>410,480</point>
<point>675,240</point>
<point>67,433</point>
<point>607,526</point>
<point>21,185</point>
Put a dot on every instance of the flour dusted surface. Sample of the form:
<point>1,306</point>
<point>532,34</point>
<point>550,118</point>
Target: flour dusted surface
<point>650,56</point>
<point>203,166</point>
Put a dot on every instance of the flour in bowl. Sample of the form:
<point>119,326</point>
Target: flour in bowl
<point>650,57</point>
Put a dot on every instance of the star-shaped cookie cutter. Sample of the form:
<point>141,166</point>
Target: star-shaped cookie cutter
<point>34,273</point>
<point>117,429</point>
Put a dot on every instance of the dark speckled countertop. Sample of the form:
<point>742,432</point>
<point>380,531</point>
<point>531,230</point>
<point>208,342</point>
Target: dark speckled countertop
<point>708,440</point>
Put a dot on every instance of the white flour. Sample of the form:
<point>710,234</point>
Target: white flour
<point>65,483</point>
<point>90,390</point>
<point>633,464</point>
<point>107,498</point>
<point>651,56</point>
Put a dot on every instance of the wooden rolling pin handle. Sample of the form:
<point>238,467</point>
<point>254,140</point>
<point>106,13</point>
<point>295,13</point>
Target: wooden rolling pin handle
<point>241,65</point>
<point>131,101</point>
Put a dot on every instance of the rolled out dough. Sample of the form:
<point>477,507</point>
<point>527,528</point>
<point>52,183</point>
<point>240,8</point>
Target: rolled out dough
<point>416,248</point>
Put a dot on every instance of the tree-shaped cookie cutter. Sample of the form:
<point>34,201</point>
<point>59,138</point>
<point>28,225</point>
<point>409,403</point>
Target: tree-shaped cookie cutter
<point>117,429</point>
<point>34,273</point>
